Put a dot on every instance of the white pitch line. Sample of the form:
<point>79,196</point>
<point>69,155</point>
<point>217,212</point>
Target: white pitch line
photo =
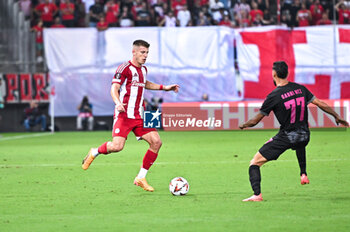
<point>157,163</point>
<point>24,136</point>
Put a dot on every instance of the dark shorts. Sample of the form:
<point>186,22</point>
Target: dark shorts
<point>283,141</point>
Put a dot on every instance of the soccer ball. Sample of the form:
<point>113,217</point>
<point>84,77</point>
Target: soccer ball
<point>179,186</point>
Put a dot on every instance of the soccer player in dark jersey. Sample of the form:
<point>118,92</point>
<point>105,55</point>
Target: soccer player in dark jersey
<point>289,104</point>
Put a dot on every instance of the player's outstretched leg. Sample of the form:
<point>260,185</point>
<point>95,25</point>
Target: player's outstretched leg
<point>151,155</point>
<point>301,155</point>
<point>88,158</point>
<point>255,177</point>
<point>106,148</point>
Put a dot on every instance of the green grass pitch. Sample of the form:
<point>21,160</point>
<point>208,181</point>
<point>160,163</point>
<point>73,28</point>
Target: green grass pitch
<point>43,188</point>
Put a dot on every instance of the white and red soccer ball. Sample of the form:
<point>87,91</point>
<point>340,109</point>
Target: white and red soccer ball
<point>179,186</point>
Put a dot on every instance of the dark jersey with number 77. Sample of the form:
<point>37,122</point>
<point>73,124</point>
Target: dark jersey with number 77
<point>289,104</point>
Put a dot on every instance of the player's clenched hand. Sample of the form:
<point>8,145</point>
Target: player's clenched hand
<point>174,88</point>
<point>120,107</point>
<point>241,126</point>
<point>342,121</point>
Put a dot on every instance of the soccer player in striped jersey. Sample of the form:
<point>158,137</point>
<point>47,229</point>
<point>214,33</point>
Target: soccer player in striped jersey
<point>128,86</point>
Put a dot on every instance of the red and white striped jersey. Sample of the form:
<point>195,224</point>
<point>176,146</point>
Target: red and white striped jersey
<point>133,81</point>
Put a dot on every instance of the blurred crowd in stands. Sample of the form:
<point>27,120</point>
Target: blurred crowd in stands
<point>103,14</point>
<point>170,13</point>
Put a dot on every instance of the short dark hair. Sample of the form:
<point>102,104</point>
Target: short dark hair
<point>141,42</point>
<point>281,69</point>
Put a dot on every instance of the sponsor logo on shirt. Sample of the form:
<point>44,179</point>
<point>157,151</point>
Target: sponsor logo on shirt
<point>138,84</point>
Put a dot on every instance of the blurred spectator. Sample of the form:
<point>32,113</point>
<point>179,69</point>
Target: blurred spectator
<point>327,6</point>
<point>94,13</point>
<point>67,13</point>
<point>255,11</point>
<point>259,21</point>
<point>324,20</point>
<point>205,97</point>
<point>169,20</point>
<point>177,5</point>
<point>57,23</point>
<point>243,21</point>
<point>215,7</point>
<point>226,21</point>
<point>143,16</point>
<point>152,12</point>
<point>184,17</point>
<point>88,4</point>
<point>202,20</point>
<point>263,5</point>
<point>156,103</point>
<point>102,25</point>
<point>296,6</point>
<point>126,18</point>
<point>85,114</point>
<point>26,6</point>
<point>154,17</point>
<point>196,8</point>
<point>343,13</point>
<point>304,16</point>
<point>38,29</point>
<point>46,11</point>
<point>159,8</point>
<point>240,7</point>
<point>316,12</point>
<point>137,6</point>
<point>112,12</point>
<point>127,3</point>
<point>166,7</point>
<point>33,116</point>
<point>205,9</point>
<point>267,18</point>
<point>286,19</point>
<point>80,13</point>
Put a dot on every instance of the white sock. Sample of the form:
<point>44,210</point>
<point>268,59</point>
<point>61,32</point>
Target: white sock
<point>142,173</point>
<point>95,152</point>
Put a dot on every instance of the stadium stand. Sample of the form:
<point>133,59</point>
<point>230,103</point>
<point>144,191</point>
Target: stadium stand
<point>17,43</point>
<point>19,28</point>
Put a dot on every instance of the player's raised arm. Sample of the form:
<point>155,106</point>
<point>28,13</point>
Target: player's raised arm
<point>153,86</point>
<point>326,108</point>
<point>115,96</point>
<point>252,122</point>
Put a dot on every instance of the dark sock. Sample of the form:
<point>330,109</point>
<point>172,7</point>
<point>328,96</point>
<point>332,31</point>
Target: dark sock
<point>301,155</point>
<point>255,178</point>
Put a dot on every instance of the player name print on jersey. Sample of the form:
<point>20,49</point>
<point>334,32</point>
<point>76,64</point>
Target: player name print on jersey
<point>291,93</point>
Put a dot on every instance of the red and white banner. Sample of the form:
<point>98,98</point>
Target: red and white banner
<point>318,57</point>
<point>24,87</point>
<point>229,115</point>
